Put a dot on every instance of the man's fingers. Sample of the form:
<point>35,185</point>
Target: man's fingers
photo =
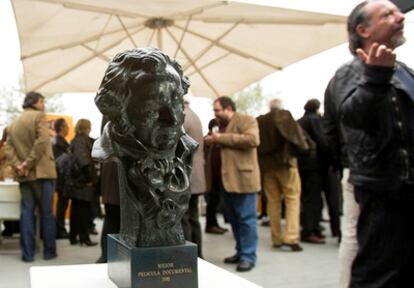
<point>385,56</point>
<point>391,55</point>
<point>362,55</point>
<point>372,52</point>
<point>380,53</point>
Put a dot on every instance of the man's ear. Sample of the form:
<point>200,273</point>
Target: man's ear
<point>363,31</point>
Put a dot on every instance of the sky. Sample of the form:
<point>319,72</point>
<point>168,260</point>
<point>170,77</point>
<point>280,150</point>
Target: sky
<point>294,85</point>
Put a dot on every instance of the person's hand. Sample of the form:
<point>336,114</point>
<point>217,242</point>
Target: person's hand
<point>22,169</point>
<point>211,138</point>
<point>378,55</point>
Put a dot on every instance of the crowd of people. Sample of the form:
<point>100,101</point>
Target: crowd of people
<point>358,156</point>
<point>276,157</point>
<point>40,165</point>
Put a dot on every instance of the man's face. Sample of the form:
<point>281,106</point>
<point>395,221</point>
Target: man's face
<point>156,109</point>
<point>221,114</point>
<point>386,25</point>
<point>65,129</point>
<point>40,104</point>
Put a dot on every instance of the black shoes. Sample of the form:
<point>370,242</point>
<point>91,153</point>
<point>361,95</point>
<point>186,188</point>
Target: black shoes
<point>50,256</point>
<point>235,259</point>
<point>100,260</point>
<point>62,235</point>
<point>289,247</point>
<point>244,266</point>
<point>45,257</point>
<point>313,239</point>
<point>216,230</point>
<point>27,260</point>
<point>73,241</point>
<point>88,243</point>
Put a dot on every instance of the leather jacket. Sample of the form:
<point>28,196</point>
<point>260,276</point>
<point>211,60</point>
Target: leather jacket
<point>376,119</point>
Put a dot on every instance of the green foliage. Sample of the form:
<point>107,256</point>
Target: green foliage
<point>54,103</point>
<point>11,100</point>
<point>10,104</point>
<point>249,100</point>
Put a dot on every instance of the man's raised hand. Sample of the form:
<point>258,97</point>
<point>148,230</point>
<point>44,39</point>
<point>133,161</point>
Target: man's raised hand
<point>378,55</point>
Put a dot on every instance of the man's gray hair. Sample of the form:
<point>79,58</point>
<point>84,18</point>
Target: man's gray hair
<point>358,16</point>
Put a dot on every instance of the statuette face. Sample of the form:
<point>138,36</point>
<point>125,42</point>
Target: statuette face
<point>142,95</point>
<point>156,109</point>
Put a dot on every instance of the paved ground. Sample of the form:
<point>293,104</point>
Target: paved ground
<point>315,267</point>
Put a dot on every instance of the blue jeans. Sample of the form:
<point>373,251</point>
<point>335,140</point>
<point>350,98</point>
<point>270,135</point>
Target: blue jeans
<point>37,193</point>
<point>241,213</point>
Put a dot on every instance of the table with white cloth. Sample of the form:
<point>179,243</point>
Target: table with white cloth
<point>9,202</point>
<point>96,275</point>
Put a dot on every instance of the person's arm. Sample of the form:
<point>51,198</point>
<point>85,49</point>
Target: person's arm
<point>248,136</point>
<point>290,130</point>
<point>330,124</point>
<point>317,135</point>
<point>41,142</point>
<point>360,107</point>
<point>11,153</point>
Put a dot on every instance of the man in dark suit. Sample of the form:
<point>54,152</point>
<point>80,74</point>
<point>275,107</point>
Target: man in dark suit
<point>317,175</point>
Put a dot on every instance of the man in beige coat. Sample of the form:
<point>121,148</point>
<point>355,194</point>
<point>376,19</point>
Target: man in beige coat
<point>239,176</point>
<point>29,150</point>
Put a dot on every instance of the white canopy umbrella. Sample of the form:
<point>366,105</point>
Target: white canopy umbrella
<point>223,46</point>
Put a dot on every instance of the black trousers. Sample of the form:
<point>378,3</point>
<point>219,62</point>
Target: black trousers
<point>311,201</point>
<point>213,200</point>
<point>111,225</point>
<point>331,187</point>
<point>385,234</point>
<point>62,205</point>
<point>79,220</point>
<point>191,224</point>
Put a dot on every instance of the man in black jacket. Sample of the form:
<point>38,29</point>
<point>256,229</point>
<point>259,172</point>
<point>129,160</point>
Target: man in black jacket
<point>373,99</point>
<point>317,175</point>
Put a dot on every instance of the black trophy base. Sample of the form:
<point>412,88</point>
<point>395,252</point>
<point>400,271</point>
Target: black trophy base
<point>152,267</point>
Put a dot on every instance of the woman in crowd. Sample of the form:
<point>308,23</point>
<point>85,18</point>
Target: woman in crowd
<point>83,188</point>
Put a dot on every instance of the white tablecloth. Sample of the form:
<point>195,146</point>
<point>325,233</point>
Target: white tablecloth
<point>9,200</point>
<point>95,275</point>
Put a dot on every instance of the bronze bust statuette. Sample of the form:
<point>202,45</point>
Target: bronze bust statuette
<point>142,95</point>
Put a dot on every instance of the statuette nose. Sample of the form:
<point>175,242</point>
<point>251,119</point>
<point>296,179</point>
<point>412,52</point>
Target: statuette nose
<point>166,116</point>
